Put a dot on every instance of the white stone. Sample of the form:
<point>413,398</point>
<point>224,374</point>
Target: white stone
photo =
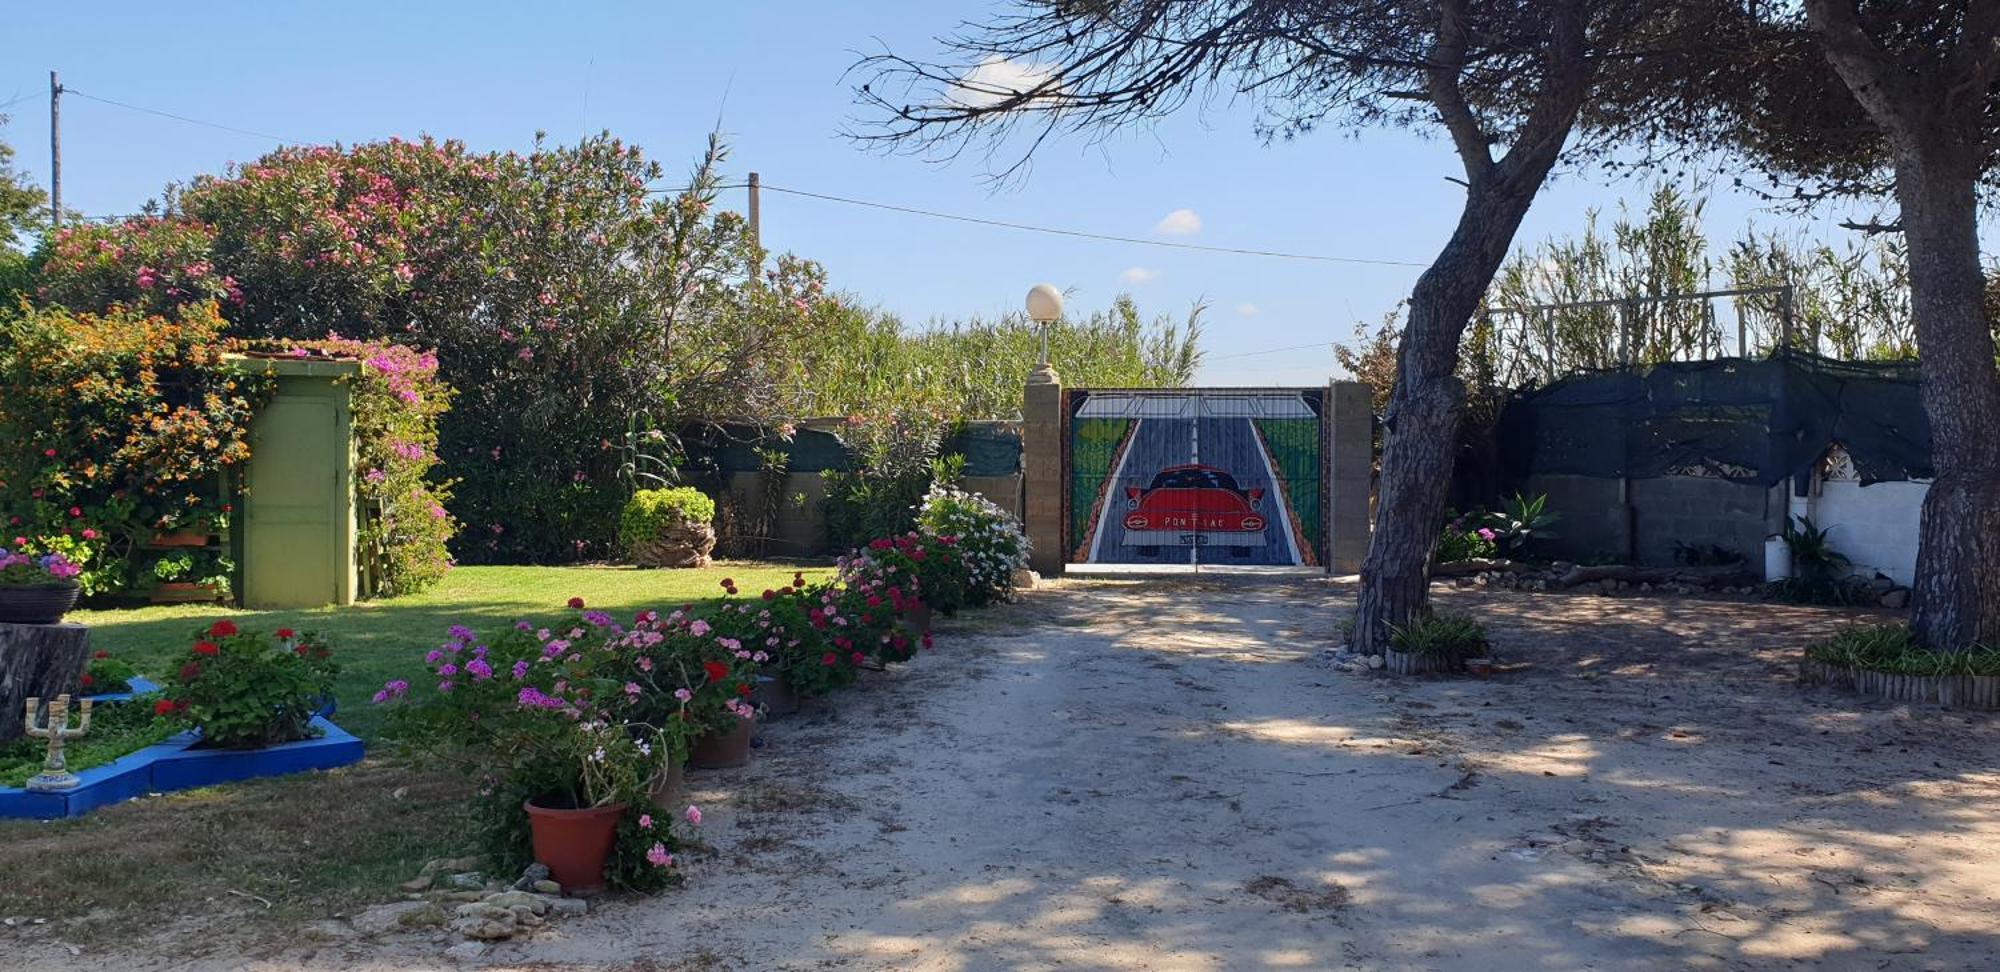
<point>384,918</point>
<point>468,951</point>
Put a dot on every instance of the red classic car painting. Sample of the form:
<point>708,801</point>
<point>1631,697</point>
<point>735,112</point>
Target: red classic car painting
<point>1193,506</point>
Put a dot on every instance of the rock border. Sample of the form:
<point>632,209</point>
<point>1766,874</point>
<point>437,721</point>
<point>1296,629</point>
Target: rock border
<point>1973,692</point>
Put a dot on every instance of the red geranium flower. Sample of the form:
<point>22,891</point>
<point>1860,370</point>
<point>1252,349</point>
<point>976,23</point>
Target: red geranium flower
<point>856,658</point>
<point>829,659</point>
<point>100,654</point>
<point>576,604</point>
<point>87,680</point>
<point>222,629</point>
<point>716,671</point>
<point>163,707</point>
<point>206,648</point>
<point>190,672</point>
<point>285,634</point>
<point>743,689</point>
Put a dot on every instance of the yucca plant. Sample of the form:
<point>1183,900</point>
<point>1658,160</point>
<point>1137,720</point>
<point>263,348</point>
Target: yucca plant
<point>1819,572</point>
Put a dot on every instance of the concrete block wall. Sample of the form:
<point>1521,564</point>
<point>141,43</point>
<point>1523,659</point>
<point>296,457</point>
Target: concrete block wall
<point>800,529</point>
<point>1875,526</point>
<point>1698,511</point>
<point>1350,472</point>
<point>1603,518</point>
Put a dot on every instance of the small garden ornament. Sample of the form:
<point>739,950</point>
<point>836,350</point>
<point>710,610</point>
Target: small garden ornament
<point>55,775</point>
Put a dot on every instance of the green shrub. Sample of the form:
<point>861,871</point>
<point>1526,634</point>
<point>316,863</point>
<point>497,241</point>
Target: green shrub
<point>1450,637</point>
<point>1891,648</point>
<point>651,511</point>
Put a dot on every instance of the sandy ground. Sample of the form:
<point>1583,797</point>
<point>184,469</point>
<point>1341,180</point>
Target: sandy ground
<point>1162,776</point>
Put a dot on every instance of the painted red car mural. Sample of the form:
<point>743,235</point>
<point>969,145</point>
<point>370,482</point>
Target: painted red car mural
<point>1193,506</point>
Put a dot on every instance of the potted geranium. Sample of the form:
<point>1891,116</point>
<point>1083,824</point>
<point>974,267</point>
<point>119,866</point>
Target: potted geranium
<point>554,723</point>
<point>189,528</point>
<point>247,690</point>
<point>36,589</point>
<point>106,675</point>
<point>701,678</point>
<point>190,577</point>
<point>987,543</point>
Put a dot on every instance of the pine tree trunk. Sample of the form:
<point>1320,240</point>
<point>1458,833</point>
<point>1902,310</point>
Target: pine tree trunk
<point>1955,601</point>
<point>1421,425</point>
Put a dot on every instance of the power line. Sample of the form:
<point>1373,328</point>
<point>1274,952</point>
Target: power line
<point>1252,354</point>
<point>183,118</point>
<point>1081,234</point>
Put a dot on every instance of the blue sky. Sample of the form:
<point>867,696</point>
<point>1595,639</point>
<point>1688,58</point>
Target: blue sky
<point>660,75</point>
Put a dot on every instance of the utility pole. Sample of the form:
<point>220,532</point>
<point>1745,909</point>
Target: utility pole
<point>55,152</point>
<point>756,227</point>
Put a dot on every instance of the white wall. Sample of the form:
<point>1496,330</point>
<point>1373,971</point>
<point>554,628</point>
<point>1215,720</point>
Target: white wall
<point>1874,526</point>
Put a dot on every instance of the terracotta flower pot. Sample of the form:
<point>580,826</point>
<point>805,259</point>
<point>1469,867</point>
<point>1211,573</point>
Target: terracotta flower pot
<point>184,592</point>
<point>774,696</point>
<point>37,603</point>
<point>726,750</point>
<point>573,844</point>
<point>179,538</point>
<point>666,792</point>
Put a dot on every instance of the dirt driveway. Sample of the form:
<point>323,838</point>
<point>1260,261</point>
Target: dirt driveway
<point>1162,776</point>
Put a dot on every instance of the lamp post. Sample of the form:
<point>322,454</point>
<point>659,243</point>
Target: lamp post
<point>1045,309</point>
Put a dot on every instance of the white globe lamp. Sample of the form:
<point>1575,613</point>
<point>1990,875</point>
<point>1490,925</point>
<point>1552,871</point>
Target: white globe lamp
<point>1045,309</point>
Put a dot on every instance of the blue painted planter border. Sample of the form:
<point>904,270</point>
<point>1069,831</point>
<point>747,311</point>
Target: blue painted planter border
<point>176,765</point>
<point>135,686</point>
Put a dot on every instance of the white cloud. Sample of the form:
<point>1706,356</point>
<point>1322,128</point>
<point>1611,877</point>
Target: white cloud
<point>1248,310</point>
<point>1180,222</point>
<point>1138,275</point>
<point>995,80</point>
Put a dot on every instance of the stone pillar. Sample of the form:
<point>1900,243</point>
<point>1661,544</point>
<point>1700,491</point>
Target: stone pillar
<point>1351,473</point>
<point>1042,467</point>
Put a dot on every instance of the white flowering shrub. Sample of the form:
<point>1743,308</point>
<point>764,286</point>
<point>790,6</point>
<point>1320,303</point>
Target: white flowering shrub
<point>989,538</point>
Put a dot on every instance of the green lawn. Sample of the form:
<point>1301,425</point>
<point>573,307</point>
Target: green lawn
<point>380,640</point>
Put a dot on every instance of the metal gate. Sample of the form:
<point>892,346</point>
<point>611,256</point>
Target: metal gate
<point>1196,477</point>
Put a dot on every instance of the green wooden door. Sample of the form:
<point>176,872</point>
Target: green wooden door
<point>298,502</point>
